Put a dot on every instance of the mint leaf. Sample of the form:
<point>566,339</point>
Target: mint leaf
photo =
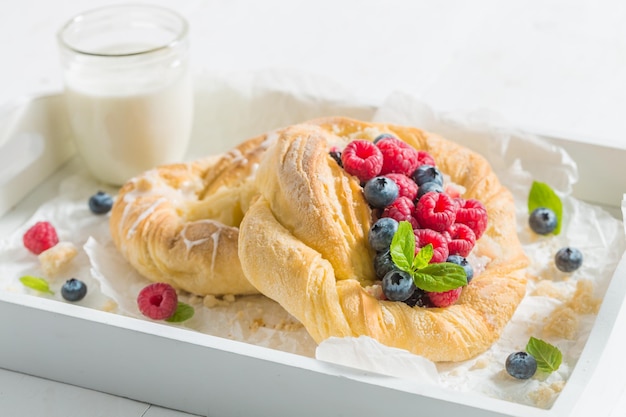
<point>437,277</point>
<point>440,277</point>
<point>183,312</point>
<point>402,246</point>
<point>423,257</point>
<point>36,283</point>
<point>541,195</point>
<point>548,357</point>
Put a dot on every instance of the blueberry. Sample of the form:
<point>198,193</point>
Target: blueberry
<point>542,221</point>
<point>428,187</point>
<point>336,155</point>
<point>100,203</point>
<point>419,298</point>
<point>398,285</point>
<point>568,259</point>
<point>380,192</point>
<point>383,136</point>
<point>74,290</point>
<point>521,365</point>
<point>459,260</point>
<point>381,233</point>
<point>427,173</point>
<point>383,264</point>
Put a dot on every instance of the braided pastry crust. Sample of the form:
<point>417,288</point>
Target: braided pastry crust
<point>179,223</point>
<point>303,242</point>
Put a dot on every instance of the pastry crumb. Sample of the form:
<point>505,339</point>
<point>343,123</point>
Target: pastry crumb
<point>211,301</point>
<point>481,363</point>
<point>57,258</point>
<point>257,323</point>
<point>562,323</point>
<point>288,325</point>
<point>109,306</point>
<point>546,288</point>
<point>544,395</point>
<point>583,301</point>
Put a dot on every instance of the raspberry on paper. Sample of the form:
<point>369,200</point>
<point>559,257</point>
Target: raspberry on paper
<point>158,301</point>
<point>40,237</point>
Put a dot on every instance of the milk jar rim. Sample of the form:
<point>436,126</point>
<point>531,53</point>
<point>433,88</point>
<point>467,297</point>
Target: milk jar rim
<point>179,35</point>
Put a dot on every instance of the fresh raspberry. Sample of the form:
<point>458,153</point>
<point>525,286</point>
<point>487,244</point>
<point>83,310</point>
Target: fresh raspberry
<point>436,211</point>
<point>473,214</point>
<point>401,210</point>
<point>440,244</point>
<point>40,237</point>
<point>398,156</point>
<point>445,298</point>
<point>406,185</point>
<point>362,159</point>
<point>461,239</point>
<point>158,301</point>
<point>424,158</point>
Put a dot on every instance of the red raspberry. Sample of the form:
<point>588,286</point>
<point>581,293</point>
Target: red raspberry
<point>461,239</point>
<point>406,186</point>
<point>440,244</point>
<point>424,158</point>
<point>398,156</point>
<point>40,237</point>
<point>473,214</point>
<point>158,301</point>
<point>401,210</point>
<point>436,211</point>
<point>362,159</point>
<point>445,298</point>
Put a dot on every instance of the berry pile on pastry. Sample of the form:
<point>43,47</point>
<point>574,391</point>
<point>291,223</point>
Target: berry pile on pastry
<point>354,228</point>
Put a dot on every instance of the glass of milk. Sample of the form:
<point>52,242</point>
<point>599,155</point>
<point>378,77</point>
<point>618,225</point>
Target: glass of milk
<point>128,88</point>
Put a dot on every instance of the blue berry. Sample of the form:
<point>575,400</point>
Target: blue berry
<point>459,260</point>
<point>427,173</point>
<point>383,264</point>
<point>419,298</point>
<point>74,290</point>
<point>542,221</point>
<point>383,136</point>
<point>380,192</point>
<point>428,187</point>
<point>521,365</point>
<point>568,259</point>
<point>336,155</point>
<point>398,285</point>
<point>381,233</point>
<point>100,203</point>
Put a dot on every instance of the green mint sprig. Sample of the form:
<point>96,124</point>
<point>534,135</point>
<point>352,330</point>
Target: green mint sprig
<point>35,283</point>
<point>436,277</point>
<point>183,312</point>
<point>548,356</point>
<point>542,195</point>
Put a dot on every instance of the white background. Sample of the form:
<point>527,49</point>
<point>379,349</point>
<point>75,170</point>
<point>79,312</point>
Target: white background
<point>551,66</point>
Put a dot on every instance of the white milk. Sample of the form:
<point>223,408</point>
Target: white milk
<point>128,90</point>
<point>121,135</point>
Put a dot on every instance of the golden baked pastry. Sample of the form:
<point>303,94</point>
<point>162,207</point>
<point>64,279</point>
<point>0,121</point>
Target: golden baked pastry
<point>179,223</point>
<point>304,243</point>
